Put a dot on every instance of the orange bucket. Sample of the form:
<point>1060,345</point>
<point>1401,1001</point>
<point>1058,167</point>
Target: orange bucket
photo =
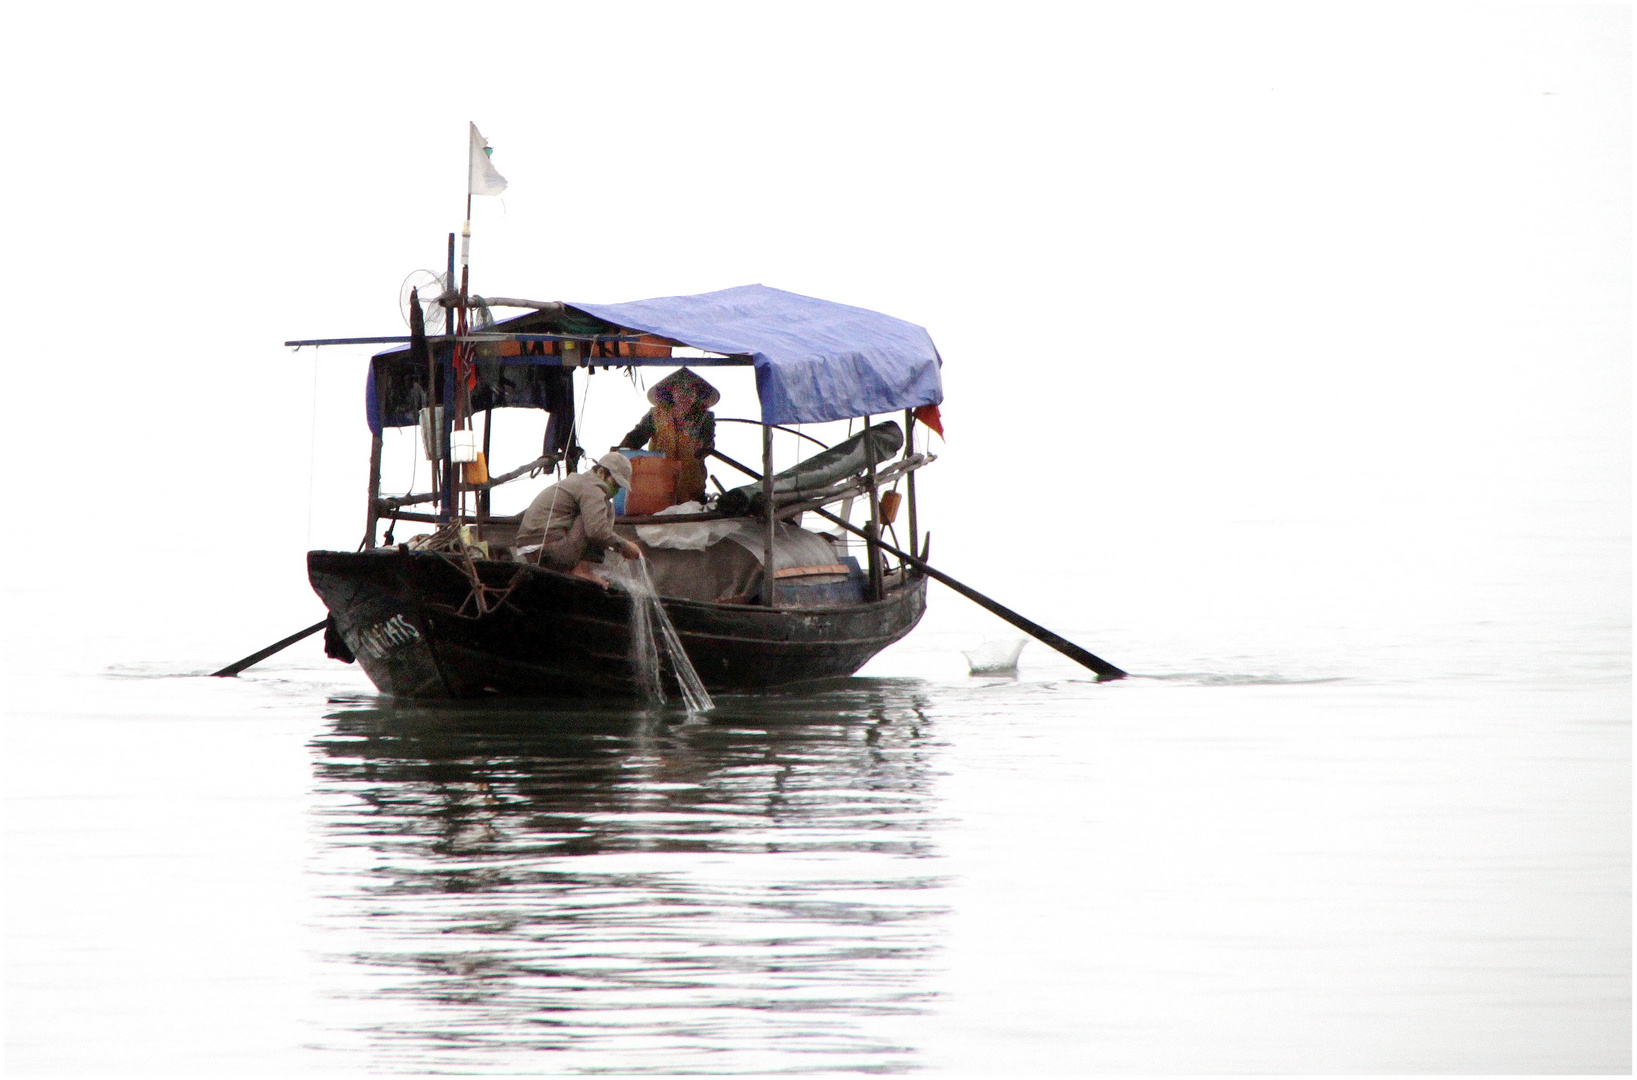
<point>653,485</point>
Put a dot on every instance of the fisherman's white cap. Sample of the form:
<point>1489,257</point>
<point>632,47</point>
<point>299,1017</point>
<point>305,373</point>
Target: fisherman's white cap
<point>619,467</point>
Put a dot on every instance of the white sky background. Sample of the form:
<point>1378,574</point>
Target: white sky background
<point>1187,265</point>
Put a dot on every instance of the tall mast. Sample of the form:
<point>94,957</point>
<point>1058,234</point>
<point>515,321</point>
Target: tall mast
<point>442,470</point>
<point>909,451</point>
<point>481,179</point>
<point>463,363</point>
<point>872,542</point>
<point>769,577</point>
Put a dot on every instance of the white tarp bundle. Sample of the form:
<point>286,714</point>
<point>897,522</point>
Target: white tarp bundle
<point>691,561</point>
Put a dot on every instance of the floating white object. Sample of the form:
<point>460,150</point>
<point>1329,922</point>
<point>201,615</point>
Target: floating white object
<point>462,447</point>
<point>995,657</point>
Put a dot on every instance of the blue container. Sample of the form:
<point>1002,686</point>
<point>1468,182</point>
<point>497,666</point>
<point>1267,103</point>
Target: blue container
<point>827,594</point>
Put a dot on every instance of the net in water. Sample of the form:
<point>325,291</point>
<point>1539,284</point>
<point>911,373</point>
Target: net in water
<point>653,633</point>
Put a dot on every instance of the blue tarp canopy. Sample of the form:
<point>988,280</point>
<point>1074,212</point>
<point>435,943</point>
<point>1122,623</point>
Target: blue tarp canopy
<point>815,360</point>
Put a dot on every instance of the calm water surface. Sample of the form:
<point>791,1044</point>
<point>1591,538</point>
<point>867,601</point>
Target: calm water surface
<point>753,891</point>
<point>1372,830</point>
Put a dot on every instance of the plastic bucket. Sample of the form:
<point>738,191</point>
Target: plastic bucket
<point>619,496</point>
<point>653,485</point>
<point>463,446</point>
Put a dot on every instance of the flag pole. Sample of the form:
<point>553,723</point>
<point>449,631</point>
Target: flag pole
<point>462,360</point>
<point>483,174</point>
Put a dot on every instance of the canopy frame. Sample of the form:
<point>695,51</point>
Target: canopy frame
<point>815,361</point>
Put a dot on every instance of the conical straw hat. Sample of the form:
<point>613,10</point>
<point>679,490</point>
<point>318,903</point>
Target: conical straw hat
<point>706,394</point>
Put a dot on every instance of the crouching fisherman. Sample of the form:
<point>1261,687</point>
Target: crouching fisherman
<point>571,521</point>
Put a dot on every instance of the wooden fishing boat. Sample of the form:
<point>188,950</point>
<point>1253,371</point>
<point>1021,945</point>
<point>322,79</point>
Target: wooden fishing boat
<point>465,610</point>
<point>399,614</point>
<point>460,614</point>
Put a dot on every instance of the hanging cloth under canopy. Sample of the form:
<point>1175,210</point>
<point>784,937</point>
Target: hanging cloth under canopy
<point>815,360</point>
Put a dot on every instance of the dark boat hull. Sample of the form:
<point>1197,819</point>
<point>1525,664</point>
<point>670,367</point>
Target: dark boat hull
<point>408,619</point>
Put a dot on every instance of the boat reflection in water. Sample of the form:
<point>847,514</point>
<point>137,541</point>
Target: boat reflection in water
<point>534,887</point>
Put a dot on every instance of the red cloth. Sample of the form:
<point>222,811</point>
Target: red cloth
<point>928,415</point>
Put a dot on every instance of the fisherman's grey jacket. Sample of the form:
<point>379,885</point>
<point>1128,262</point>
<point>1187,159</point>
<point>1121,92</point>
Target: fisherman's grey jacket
<point>581,497</point>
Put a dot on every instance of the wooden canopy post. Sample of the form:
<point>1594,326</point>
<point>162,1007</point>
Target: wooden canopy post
<point>374,514</point>
<point>458,360</point>
<point>433,391</point>
<point>768,592</point>
<point>447,467</point>
<point>909,449</point>
<point>872,541</point>
<point>483,493</point>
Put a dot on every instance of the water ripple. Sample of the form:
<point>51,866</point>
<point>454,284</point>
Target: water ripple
<point>656,894</point>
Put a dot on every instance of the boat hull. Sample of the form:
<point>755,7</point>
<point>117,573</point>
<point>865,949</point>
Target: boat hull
<point>409,619</point>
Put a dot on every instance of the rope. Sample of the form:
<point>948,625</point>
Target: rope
<point>482,597</point>
<point>312,450</point>
<point>573,441</point>
<point>414,457</point>
<point>776,427</point>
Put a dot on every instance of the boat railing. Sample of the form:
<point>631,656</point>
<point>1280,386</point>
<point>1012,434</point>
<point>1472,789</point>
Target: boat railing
<point>788,504</point>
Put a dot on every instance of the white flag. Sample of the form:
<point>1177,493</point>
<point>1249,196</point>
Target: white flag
<point>481,178</point>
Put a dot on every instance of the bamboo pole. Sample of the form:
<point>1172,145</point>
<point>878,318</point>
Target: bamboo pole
<point>909,451</point>
<point>483,491</point>
<point>768,592</point>
<point>374,514</point>
<point>257,657</point>
<point>790,503</point>
<point>434,389</point>
<point>872,538</point>
<point>458,358</point>
<point>1105,670</point>
<point>447,487</point>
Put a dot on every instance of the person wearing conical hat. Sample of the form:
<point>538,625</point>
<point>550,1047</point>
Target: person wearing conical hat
<point>680,426</point>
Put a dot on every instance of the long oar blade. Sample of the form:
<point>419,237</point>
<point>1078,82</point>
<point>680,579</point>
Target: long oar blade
<point>257,657</point>
<point>1106,671</point>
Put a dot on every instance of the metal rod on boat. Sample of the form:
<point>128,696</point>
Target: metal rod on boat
<point>257,657</point>
<point>1106,671</point>
<point>822,445</point>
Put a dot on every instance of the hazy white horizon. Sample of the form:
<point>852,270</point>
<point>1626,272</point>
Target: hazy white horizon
<point>1282,342</point>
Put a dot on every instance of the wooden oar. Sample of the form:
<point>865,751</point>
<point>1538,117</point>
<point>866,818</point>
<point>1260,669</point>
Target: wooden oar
<point>257,657</point>
<point>1106,672</point>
